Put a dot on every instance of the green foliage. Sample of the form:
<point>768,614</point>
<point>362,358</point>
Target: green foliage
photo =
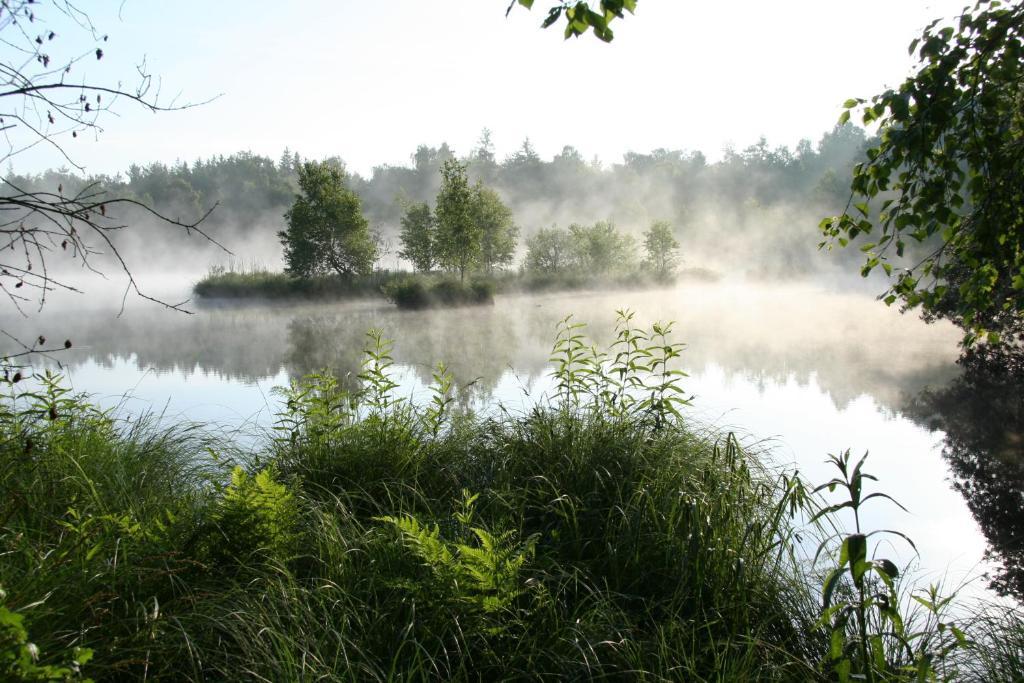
<point>316,410</point>
<point>601,249</point>
<point>478,573</point>
<point>608,538</point>
<point>473,227</point>
<point>234,282</point>
<point>946,174</point>
<point>326,231</point>
<point>417,237</point>
<point>579,18</point>
<point>662,248</point>
<point>417,292</point>
<point>498,231</point>
<point>635,377</point>
<point>19,658</point>
<point>548,251</point>
<point>256,516</point>
<point>98,525</point>
<point>870,639</point>
<point>593,251</point>
<point>458,236</point>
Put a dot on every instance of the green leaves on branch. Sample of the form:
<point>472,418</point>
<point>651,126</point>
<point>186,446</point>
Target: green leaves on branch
<point>417,237</point>
<point>326,230</point>
<point>942,186</point>
<point>662,248</point>
<point>636,376</point>
<point>471,228</point>
<point>579,17</point>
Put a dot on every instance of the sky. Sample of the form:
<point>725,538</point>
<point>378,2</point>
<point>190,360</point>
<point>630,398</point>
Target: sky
<point>370,80</point>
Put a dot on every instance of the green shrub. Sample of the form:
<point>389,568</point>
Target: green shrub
<point>259,283</point>
<point>255,518</point>
<point>422,291</point>
<point>19,657</point>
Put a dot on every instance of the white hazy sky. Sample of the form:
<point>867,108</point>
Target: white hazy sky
<point>369,80</point>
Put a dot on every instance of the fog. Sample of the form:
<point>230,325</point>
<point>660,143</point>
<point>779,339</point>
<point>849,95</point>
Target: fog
<point>787,342</point>
<point>848,343</point>
<point>753,214</point>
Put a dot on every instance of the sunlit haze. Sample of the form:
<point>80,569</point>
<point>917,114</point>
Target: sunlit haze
<point>369,81</point>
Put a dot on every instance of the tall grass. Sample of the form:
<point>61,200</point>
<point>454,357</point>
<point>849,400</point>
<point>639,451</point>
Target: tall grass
<point>597,536</point>
<point>239,281</point>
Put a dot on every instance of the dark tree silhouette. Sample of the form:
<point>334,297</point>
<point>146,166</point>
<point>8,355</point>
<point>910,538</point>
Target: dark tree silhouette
<point>982,414</point>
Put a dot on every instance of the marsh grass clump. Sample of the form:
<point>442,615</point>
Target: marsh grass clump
<point>598,535</point>
<point>428,291</point>
<point>253,281</point>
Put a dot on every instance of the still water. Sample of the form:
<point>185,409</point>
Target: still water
<point>799,370</point>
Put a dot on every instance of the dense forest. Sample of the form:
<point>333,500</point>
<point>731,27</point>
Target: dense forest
<point>760,199</point>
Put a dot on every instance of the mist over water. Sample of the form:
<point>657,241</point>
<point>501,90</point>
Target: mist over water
<point>789,347</point>
<point>797,369</point>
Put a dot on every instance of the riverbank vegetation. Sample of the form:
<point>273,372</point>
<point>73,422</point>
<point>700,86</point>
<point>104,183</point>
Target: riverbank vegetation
<point>596,256</point>
<point>236,281</point>
<point>752,202</point>
<point>370,537</point>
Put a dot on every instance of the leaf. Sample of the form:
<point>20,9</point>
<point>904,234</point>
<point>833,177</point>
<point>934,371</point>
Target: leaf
<point>831,581</point>
<point>889,567</point>
<point>854,550</point>
<point>553,16</point>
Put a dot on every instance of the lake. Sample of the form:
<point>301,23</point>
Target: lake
<point>798,370</point>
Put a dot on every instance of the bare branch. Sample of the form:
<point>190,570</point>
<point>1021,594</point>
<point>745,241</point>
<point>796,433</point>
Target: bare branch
<point>43,105</point>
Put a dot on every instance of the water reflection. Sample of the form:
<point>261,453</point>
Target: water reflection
<point>982,415</point>
<point>848,344</point>
<point>812,370</point>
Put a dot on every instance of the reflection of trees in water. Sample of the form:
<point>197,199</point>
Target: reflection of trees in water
<point>236,344</point>
<point>766,334</point>
<point>982,414</point>
<point>477,345</point>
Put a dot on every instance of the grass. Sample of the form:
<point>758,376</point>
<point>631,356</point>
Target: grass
<point>416,290</point>
<point>256,282</point>
<point>566,280</point>
<point>598,536</point>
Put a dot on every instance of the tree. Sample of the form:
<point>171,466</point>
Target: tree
<point>458,235</point>
<point>326,227</point>
<point>944,179</point>
<point>417,237</point>
<point>579,18</point>
<point>600,249</point>
<point>548,251</point>
<point>662,248</point>
<point>482,160</point>
<point>48,99</point>
<point>498,232</point>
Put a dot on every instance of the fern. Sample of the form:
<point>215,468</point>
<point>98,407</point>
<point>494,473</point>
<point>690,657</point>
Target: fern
<point>481,577</point>
<point>256,514</point>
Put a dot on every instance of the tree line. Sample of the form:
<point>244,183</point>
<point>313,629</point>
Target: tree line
<point>767,195</point>
<point>469,229</point>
